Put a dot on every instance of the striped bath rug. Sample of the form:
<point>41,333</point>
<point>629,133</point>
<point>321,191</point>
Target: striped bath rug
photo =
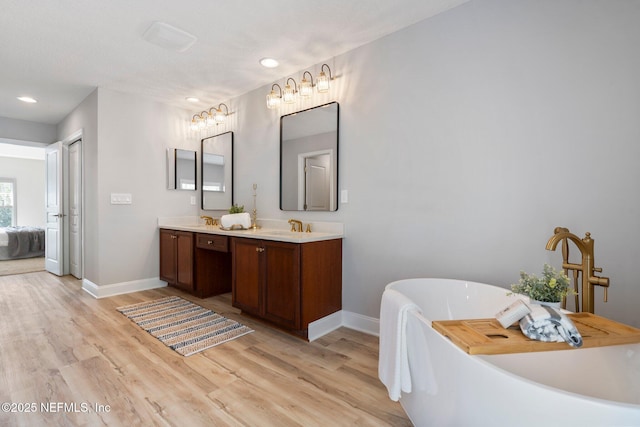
<point>182,325</point>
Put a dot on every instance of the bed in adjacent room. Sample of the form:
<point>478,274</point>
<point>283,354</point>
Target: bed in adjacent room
<point>21,242</point>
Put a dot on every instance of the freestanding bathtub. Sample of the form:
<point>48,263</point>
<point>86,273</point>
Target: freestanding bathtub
<point>579,387</point>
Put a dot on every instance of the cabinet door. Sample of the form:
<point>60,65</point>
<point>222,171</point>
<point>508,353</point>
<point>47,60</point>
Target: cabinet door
<point>282,283</point>
<point>184,262</point>
<point>246,265</point>
<point>168,267</point>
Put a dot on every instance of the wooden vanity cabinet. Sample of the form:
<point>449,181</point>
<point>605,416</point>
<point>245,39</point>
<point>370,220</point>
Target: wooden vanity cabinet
<point>197,263</point>
<point>176,259</point>
<point>287,284</point>
<point>213,265</point>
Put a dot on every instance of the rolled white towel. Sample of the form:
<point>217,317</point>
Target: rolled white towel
<point>547,324</point>
<point>234,220</point>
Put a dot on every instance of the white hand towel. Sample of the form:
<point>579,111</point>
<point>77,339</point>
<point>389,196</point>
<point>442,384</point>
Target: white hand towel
<point>393,362</point>
<point>240,219</point>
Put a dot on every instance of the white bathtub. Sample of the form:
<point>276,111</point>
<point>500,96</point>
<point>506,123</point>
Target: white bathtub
<point>581,387</point>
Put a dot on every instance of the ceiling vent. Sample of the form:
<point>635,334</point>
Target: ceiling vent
<point>169,37</point>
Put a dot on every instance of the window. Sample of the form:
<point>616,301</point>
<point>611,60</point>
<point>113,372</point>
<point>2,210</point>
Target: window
<point>7,202</point>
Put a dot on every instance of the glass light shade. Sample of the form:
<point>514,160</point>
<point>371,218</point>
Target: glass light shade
<point>322,83</point>
<point>219,116</point>
<point>273,100</point>
<point>202,123</point>
<point>306,90</point>
<point>210,120</point>
<point>194,124</point>
<point>288,95</point>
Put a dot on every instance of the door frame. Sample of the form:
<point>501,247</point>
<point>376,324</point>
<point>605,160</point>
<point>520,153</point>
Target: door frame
<point>75,137</point>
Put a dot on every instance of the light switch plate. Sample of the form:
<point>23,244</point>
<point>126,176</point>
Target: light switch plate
<point>193,200</point>
<point>344,196</point>
<point>121,198</point>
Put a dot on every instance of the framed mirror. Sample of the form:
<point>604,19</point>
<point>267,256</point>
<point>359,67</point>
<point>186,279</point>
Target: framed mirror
<point>181,169</point>
<point>309,159</point>
<point>216,172</point>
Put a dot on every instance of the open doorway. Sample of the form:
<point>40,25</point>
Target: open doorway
<point>21,208</point>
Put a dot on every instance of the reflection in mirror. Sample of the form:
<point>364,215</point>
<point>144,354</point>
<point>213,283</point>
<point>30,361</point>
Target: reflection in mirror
<point>217,172</point>
<point>181,169</point>
<point>309,159</point>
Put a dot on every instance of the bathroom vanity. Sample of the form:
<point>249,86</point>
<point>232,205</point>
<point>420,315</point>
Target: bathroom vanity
<point>197,263</point>
<point>286,278</point>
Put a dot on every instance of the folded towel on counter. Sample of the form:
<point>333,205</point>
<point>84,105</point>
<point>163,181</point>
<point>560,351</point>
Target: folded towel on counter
<point>393,361</point>
<point>549,325</point>
<point>236,220</point>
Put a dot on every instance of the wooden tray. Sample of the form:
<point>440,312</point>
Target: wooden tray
<point>487,336</point>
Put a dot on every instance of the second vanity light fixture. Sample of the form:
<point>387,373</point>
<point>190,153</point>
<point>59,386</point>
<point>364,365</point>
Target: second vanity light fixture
<point>304,89</point>
<point>214,116</point>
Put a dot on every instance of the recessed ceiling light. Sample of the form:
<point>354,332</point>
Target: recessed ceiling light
<point>169,37</point>
<point>192,99</point>
<point>27,99</point>
<point>269,62</point>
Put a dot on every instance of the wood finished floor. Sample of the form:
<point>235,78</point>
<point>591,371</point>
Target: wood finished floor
<point>59,345</point>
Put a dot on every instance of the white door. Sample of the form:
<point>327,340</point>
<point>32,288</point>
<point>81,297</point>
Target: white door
<point>75,212</point>
<point>317,183</point>
<point>53,205</point>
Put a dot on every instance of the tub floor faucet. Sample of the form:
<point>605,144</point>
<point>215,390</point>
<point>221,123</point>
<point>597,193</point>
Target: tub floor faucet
<point>586,269</point>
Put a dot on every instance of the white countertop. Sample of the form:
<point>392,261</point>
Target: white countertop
<point>278,230</point>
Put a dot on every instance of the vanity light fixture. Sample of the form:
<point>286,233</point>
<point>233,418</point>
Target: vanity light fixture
<point>273,99</point>
<point>289,93</point>
<point>304,90</point>
<point>322,81</point>
<point>195,120</point>
<point>202,122</point>
<point>214,116</point>
<point>306,86</point>
<point>219,116</point>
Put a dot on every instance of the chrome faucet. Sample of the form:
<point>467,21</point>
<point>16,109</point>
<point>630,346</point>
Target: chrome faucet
<point>296,225</point>
<point>587,268</point>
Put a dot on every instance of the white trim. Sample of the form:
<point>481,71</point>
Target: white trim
<point>359,322</point>
<point>324,325</point>
<point>121,288</point>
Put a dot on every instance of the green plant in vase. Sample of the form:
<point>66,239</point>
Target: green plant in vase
<point>553,286</point>
<point>236,209</point>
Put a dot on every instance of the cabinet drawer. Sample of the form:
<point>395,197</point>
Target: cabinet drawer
<point>212,242</point>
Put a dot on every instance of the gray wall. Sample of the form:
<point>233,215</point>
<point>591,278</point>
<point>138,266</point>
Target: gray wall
<point>29,176</point>
<point>464,140</point>
<point>24,131</point>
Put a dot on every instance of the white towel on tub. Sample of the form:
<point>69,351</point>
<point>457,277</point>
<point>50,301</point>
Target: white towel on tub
<point>393,361</point>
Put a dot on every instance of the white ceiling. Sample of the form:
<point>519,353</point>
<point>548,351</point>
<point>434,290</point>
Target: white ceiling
<point>60,51</point>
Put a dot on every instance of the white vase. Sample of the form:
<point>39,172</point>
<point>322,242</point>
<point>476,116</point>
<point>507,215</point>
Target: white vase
<point>547,303</point>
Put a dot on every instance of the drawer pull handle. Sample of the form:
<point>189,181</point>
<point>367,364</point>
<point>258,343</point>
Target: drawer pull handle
<point>209,242</point>
<point>259,249</point>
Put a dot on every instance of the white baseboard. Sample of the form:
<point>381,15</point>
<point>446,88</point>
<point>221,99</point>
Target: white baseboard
<point>362,323</point>
<point>325,325</point>
<point>321,327</point>
<point>121,288</point>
